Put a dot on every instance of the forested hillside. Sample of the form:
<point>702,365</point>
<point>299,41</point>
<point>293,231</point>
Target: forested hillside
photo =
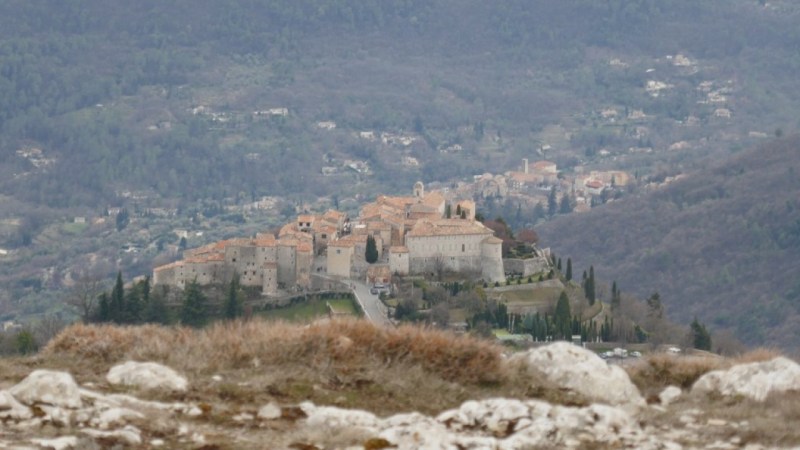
<point>106,89</point>
<point>722,244</point>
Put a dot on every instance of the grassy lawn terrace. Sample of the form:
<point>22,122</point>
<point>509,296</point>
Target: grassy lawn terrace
<point>310,310</point>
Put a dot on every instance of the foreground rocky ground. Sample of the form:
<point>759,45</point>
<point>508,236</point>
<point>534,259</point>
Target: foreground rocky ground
<point>571,399</point>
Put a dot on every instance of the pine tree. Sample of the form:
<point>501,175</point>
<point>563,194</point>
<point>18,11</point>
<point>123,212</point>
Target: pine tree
<point>700,336</point>
<point>569,269</point>
<point>194,312</point>
<point>371,253</point>
<point>156,310</point>
<point>233,304</point>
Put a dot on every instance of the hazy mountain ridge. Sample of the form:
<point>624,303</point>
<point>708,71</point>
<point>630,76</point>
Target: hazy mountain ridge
<point>722,244</point>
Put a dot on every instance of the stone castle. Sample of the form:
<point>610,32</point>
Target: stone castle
<point>418,234</point>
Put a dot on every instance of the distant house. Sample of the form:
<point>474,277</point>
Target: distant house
<point>594,187</point>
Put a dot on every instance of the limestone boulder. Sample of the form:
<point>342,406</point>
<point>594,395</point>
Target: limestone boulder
<point>10,408</point>
<point>48,387</point>
<point>581,371</point>
<point>755,381</point>
<point>270,411</point>
<point>669,395</point>
<point>147,375</point>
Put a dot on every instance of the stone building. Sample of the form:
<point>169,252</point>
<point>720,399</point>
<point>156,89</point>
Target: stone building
<point>265,261</point>
<point>419,239</point>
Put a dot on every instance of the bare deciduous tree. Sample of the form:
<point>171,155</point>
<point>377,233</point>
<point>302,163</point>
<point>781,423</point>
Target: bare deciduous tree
<point>83,295</point>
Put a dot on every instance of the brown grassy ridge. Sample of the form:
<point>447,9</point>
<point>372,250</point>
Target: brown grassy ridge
<point>344,344</point>
<point>348,363</point>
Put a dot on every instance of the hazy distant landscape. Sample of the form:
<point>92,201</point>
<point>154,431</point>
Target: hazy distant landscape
<point>124,125</point>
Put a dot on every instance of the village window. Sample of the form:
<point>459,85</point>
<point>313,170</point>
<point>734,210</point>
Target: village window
<point>463,248</point>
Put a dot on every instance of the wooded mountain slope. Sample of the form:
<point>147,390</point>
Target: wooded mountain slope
<point>722,244</point>
<point>106,87</point>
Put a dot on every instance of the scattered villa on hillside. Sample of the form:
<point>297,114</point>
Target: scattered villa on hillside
<point>418,234</point>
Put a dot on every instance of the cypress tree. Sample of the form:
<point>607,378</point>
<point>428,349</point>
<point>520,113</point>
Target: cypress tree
<point>194,312</point>
<point>558,266</point>
<point>569,269</point>
<point>552,203</point>
<point>371,252</point>
<point>116,310</point>
<point>562,317</point>
<point>233,304</point>
<point>133,306</point>
<point>590,291</point>
<point>616,297</point>
<point>104,313</point>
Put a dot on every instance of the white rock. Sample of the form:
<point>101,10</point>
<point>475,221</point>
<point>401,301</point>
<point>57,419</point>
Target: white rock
<point>115,417</point>
<point>60,443</point>
<point>57,416</point>
<point>10,408</point>
<point>129,435</point>
<point>147,375</point>
<point>669,395</point>
<point>331,417</point>
<point>48,387</point>
<point>755,381</point>
<point>243,417</point>
<point>270,411</point>
<point>194,411</point>
<point>156,442</point>
<point>582,371</point>
<point>198,439</point>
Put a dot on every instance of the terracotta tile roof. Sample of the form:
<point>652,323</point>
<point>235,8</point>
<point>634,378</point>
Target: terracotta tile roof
<point>398,249</point>
<point>543,165</point>
<point>447,227</point>
<point>306,218</point>
<point>171,265</point>
<point>334,215</point>
<point>434,199</point>
<point>522,177</point>
<point>289,228</point>
<point>378,226</point>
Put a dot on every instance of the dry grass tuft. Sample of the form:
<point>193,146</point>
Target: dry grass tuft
<point>344,346</point>
<point>757,355</point>
<point>661,370</point>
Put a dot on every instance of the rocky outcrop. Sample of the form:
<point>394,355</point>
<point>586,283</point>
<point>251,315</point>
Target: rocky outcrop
<point>755,381</point>
<point>581,371</point>
<point>494,423</point>
<point>147,375</point>
<point>48,387</point>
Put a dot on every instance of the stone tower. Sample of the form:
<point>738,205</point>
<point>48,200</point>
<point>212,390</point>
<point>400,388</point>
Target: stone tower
<point>419,189</point>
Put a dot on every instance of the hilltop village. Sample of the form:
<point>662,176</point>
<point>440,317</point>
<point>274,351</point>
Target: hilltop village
<point>425,233</point>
